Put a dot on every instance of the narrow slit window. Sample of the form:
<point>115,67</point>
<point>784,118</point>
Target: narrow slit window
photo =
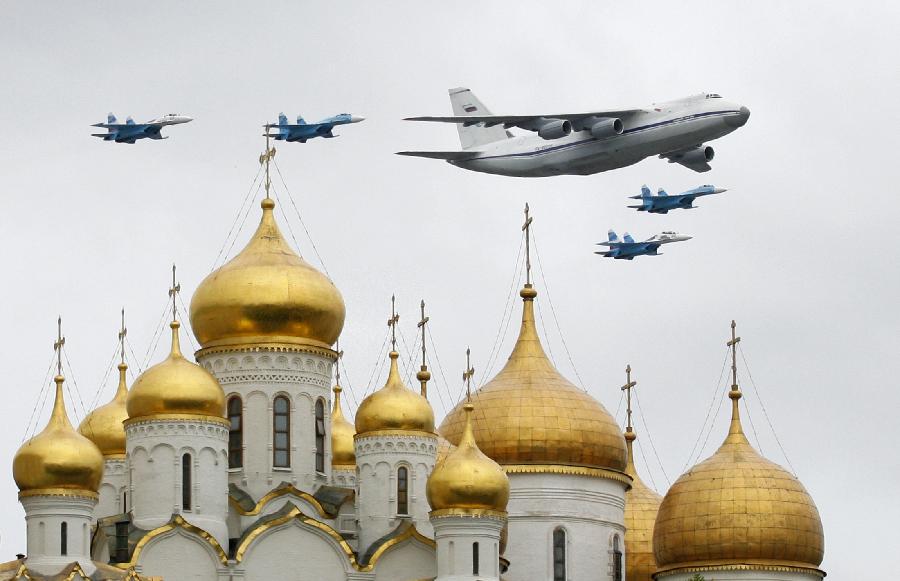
<point>320,436</point>
<point>617,560</point>
<point>402,490</point>
<point>559,555</point>
<point>186,482</point>
<point>64,538</point>
<point>235,432</point>
<point>474,558</point>
<point>281,416</point>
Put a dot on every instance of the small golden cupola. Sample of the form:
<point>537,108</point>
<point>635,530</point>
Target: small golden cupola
<point>267,294</point>
<point>58,458</point>
<point>103,426</point>
<point>343,454</point>
<point>641,506</point>
<point>175,386</point>
<point>394,407</point>
<point>737,508</point>
<point>467,480</point>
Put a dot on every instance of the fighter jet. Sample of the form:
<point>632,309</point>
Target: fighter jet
<point>662,202</point>
<point>129,132</point>
<point>627,248</point>
<point>586,143</point>
<point>301,131</point>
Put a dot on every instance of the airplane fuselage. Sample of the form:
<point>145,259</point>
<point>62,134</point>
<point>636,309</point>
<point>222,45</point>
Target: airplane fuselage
<point>659,129</point>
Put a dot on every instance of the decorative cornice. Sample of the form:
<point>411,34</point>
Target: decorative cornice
<point>738,565</point>
<point>177,522</point>
<point>246,347</point>
<point>470,513</point>
<point>62,492</point>
<point>605,473</point>
<point>177,418</point>
<point>279,492</point>
<point>396,433</point>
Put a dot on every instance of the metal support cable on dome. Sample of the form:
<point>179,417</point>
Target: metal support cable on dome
<point>34,410</point>
<point>185,316</point>
<point>562,337</point>
<point>410,362</point>
<point>503,328</point>
<point>240,228</point>
<point>102,384</point>
<point>300,218</point>
<point>722,397</point>
<point>752,427</point>
<point>236,217</point>
<point>378,362</point>
<point>540,312</point>
<point>134,358</point>
<point>440,367</point>
<point>712,402</point>
<point>649,472</point>
<point>41,408</point>
<point>75,385</point>
<point>154,340</point>
<point>643,418</point>
<point>346,374</point>
<point>434,350</point>
<point>765,412</point>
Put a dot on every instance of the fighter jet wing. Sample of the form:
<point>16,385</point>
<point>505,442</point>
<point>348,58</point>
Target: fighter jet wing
<point>523,121</point>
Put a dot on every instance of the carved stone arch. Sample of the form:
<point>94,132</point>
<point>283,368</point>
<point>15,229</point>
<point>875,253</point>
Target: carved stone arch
<point>256,392</point>
<point>264,361</point>
<point>248,362</point>
<point>310,365</point>
<point>320,367</point>
<point>232,364</point>
<point>173,557</point>
<point>218,364</point>
<point>161,446</point>
<point>281,361</point>
<point>296,363</point>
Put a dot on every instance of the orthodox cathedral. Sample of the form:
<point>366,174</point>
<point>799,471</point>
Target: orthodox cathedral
<point>240,465</point>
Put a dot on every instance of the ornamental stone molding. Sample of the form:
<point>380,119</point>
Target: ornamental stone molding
<point>241,366</point>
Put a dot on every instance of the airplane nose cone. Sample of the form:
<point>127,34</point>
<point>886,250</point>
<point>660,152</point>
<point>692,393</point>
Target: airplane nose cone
<point>355,119</point>
<point>740,119</point>
<point>720,190</point>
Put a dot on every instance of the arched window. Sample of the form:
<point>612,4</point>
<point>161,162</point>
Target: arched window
<point>559,555</point>
<point>235,432</point>
<point>186,482</point>
<point>617,560</point>
<point>402,490</point>
<point>281,416</point>
<point>474,558</point>
<point>64,538</point>
<point>124,501</point>
<point>320,436</point>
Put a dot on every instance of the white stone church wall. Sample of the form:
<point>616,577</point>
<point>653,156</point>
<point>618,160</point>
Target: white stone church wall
<point>113,489</point>
<point>44,516</point>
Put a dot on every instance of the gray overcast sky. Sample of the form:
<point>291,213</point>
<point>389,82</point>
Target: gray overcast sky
<point>801,251</point>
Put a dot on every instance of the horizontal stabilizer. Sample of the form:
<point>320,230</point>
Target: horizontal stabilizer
<point>100,135</point>
<point>448,155</point>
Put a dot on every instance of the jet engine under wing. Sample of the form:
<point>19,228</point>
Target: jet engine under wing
<point>448,155</point>
<point>696,158</point>
<point>529,122</point>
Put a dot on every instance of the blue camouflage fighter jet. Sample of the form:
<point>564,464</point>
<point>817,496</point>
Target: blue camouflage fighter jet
<point>628,248</point>
<point>662,202</point>
<point>302,131</point>
<point>129,132</point>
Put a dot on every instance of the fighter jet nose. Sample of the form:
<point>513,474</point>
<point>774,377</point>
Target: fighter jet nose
<point>355,119</point>
<point>720,190</point>
<point>740,119</point>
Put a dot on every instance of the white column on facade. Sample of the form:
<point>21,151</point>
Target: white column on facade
<point>46,517</point>
<point>156,447</point>
<point>457,537</point>
<point>257,375</point>
<point>378,457</point>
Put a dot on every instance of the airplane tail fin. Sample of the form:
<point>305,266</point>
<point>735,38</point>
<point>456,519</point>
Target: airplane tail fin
<point>129,120</point>
<point>645,192</point>
<point>301,120</point>
<point>282,119</point>
<point>613,237</point>
<point>628,238</point>
<point>661,192</point>
<point>465,102</point>
<point>110,118</point>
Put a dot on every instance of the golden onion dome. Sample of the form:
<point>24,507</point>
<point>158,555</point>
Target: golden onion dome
<point>343,453</point>
<point>737,507</point>
<point>58,457</point>
<point>103,426</point>
<point>467,479</point>
<point>267,294</point>
<point>641,506</point>
<point>394,407</point>
<point>530,414</point>
<point>175,386</point>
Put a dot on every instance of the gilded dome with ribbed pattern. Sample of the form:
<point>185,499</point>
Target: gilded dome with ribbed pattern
<point>737,507</point>
<point>641,506</point>
<point>267,294</point>
<point>530,414</point>
<point>467,479</point>
<point>343,452</point>
<point>175,386</point>
<point>104,427</point>
<point>58,457</point>
<point>394,407</point>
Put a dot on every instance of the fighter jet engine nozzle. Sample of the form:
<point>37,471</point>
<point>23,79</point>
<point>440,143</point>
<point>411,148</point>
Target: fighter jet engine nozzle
<point>554,129</point>
<point>607,127</point>
<point>702,154</point>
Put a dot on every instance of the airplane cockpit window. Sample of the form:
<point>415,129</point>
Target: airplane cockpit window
<point>713,96</point>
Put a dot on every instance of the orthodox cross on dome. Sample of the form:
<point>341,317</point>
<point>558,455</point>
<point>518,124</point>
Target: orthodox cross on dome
<point>265,158</point>
<point>733,344</point>
<point>423,375</point>
<point>392,323</point>
<point>467,375</point>
<point>173,292</point>
<point>627,389</point>
<point>337,362</point>
<point>122,332</point>
<point>58,345</point>
<point>526,227</point>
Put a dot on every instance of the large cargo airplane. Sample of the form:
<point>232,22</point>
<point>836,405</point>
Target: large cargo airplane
<point>586,143</point>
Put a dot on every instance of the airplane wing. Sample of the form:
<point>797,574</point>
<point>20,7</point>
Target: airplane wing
<point>448,155</point>
<point>523,121</point>
<point>319,128</point>
<point>699,165</point>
